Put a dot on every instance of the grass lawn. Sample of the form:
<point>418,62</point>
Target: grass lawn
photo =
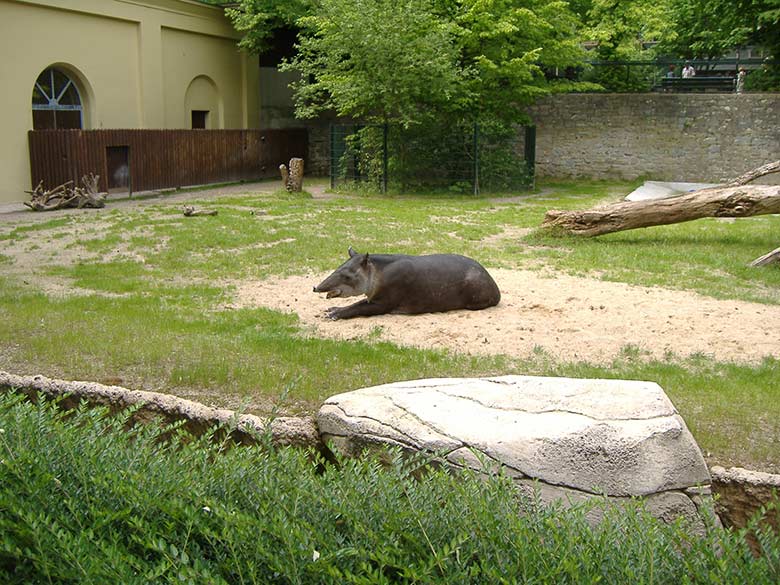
<point>140,295</point>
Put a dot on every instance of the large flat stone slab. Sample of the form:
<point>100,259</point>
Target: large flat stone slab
<point>664,189</point>
<point>575,438</point>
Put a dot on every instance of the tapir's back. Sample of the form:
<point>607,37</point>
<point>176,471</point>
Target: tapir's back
<point>436,282</point>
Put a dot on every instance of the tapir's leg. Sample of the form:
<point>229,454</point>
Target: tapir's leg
<point>364,308</point>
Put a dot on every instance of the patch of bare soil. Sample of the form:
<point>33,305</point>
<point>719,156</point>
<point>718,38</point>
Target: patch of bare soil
<point>570,318</point>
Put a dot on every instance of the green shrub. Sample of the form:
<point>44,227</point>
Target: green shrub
<point>765,79</point>
<point>84,500</point>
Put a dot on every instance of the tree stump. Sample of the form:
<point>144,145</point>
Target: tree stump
<point>292,179</point>
<point>295,182</point>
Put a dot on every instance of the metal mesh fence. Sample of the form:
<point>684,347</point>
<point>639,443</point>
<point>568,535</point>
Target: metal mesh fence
<point>464,159</point>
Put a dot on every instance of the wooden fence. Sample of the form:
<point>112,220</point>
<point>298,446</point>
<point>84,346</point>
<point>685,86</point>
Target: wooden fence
<point>142,160</point>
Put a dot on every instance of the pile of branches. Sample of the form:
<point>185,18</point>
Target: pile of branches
<point>67,196</point>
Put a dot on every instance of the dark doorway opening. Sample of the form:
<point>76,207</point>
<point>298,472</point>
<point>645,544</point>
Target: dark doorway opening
<point>118,168</point>
<point>199,119</point>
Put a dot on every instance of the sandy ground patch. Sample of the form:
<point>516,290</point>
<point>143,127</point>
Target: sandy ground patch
<point>571,318</point>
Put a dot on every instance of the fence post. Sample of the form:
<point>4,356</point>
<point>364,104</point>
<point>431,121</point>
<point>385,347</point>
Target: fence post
<point>384,158</point>
<point>476,158</point>
<point>332,156</point>
<point>529,150</point>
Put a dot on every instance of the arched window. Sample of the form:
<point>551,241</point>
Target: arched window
<point>56,102</point>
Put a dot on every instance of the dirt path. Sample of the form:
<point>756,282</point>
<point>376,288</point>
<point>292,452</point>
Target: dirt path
<point>570,318</point>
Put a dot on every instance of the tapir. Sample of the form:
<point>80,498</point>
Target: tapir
<point>398,283</point>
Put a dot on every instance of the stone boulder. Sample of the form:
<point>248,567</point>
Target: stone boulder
<point>565,439</point>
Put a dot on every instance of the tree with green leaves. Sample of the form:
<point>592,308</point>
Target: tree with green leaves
<point>622,28</point>
<point>257,20</point>
<point>411,61</point>
<point>431,69</point>
<point>377,61</point>
<point>507,46</point>
<point>710,28</point>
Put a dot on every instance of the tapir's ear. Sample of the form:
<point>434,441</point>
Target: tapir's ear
<point>351,252</point>
<point>365,259</point>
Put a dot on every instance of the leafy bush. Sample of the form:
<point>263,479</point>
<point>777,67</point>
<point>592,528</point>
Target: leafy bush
<point>765,79</point>
<point>621,77</point>
<point>84,500</point>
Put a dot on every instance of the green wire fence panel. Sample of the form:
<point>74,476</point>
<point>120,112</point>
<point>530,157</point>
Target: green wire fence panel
<point>460,159</point>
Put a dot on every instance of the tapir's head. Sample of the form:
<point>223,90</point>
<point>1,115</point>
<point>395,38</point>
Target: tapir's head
<point>351,279</point>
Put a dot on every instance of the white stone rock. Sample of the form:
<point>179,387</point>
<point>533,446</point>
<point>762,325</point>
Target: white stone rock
<point>664,190</point>
<point>589,438</point>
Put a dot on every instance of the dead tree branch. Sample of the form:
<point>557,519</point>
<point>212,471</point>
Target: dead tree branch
<point>190,211</point>
<point>772,257</point>
<point>67,196</point>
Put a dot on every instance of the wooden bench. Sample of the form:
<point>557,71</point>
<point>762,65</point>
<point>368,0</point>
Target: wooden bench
<point>697,83</point>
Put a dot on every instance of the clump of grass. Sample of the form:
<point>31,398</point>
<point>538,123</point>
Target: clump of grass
<point>82,500</point>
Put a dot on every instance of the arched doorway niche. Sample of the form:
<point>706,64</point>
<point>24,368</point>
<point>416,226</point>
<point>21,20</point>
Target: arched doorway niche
<point>203,105</point>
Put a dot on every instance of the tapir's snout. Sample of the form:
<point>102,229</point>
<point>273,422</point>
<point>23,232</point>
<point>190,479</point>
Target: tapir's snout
<point>330,291</point>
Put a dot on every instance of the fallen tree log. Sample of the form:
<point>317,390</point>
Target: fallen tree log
<point>735,199</point>
<point>715,202</point>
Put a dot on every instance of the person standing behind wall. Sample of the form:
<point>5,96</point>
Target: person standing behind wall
<point>741,80</point>
<point>688,71</point>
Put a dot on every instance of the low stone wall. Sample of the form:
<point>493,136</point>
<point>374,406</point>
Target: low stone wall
<point>739,493</point>
<point>702,137</point>
<point>742,493</point>
<point>297,431</point>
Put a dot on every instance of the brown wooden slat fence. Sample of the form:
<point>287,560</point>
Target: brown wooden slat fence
<point>142,160</point>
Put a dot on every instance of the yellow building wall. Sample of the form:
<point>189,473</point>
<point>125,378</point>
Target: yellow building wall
<point>137,64</point>
<point>189,57</point>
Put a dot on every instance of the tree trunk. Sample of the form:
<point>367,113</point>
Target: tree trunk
<point>734,199</point>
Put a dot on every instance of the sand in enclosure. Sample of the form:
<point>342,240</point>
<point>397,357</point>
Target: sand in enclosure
<point>570,318</point>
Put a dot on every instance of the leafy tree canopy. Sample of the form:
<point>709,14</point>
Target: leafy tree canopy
<point>258,19</point>
<point>408,61</point>
<point>710,28</point>
<point>412,61</point>
<point>621,28</point>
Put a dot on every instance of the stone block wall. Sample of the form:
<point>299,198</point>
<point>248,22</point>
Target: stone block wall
<point>704,137</point>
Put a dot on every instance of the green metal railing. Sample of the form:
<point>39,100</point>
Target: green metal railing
<point>646,75</point>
